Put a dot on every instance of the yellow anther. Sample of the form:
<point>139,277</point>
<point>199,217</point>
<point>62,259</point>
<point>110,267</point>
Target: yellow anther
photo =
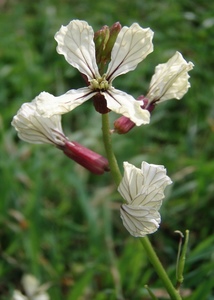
<point>99,83</point>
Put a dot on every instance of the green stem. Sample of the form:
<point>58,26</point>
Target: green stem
<point>174,294</point>
<point>181,261</point>
<point>114,169</point>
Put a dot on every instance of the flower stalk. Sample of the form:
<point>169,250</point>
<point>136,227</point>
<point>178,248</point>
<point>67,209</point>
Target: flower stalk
<point>114,168</point>
<point>154,260</point>
<point>117,177</point>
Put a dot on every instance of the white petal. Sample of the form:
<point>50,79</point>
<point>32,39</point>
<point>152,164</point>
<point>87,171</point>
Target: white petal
<point>43,296</point>
<point>155,175</point>
<point>149,196</point>
<point>144,186</point>
<point>170,79</point>
<point>17,295</point>
<point>143,190</point>
<point>126,105</point>
<point>32,127</point>
<point>132,45</point>
<point>131,183</point>
<point>75,42</point>
<point>49,105</point>
<point>138,220</point>
<point>30,284</point>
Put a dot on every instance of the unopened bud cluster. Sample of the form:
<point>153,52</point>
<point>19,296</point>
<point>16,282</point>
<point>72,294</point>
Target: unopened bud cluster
<point>104,40</point>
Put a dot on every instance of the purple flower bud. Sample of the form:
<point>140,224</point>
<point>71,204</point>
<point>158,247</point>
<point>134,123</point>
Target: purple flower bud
<point>87,158</point>
<point>123,125</point>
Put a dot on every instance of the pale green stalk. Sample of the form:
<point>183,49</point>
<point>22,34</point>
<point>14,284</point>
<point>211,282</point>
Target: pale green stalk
<point>174,294</point>
<point>114,169</point>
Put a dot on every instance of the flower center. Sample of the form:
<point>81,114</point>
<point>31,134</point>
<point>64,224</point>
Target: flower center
<point>99,84</point>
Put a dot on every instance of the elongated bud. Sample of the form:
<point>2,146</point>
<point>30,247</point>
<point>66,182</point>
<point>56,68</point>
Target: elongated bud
<point>114,31</point>
<point>100,39</point>
<point>123,124</point>
<point>87,158</point>
<point>104,40</point>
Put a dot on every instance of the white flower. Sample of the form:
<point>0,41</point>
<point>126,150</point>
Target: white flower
<point>17,295</point>
<point>75,42</point>
<point>34,128</point>
<point>32,289</point>
<point>143,189</point>
<point>170,79</point>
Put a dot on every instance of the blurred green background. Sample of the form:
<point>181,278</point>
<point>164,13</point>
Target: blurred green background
<point>61,223</point>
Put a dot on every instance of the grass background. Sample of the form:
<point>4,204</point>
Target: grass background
<point>61,223</point>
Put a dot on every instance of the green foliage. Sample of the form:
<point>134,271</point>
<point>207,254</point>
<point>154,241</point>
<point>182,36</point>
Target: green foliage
<point>59,222</point>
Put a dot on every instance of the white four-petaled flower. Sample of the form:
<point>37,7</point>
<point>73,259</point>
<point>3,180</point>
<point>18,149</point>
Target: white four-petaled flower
<point>34,128</point>
<point>143,190</point>
<point>170,79</point>
<point>33,290</point>
<point>75,42</point>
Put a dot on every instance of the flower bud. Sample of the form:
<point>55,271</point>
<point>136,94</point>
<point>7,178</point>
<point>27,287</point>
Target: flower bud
<point>114,31</point>
<point>87,158</point>
<point>123,125</point>
<point>100,39</point>
<point>104,40</point>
